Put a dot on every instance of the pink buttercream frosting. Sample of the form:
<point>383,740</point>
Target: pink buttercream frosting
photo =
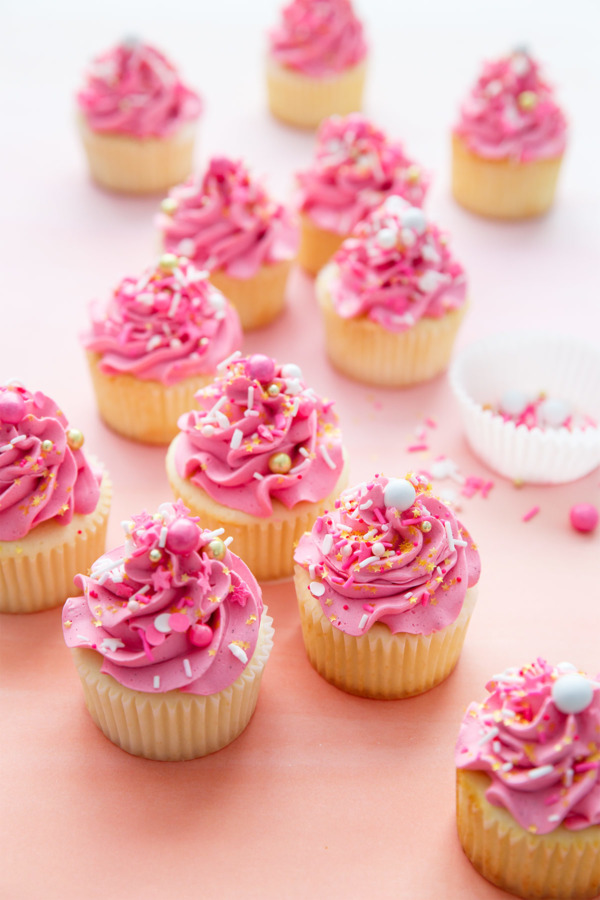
<point>318,39</point>
<point>543,762</point>
<point>226,220</point>
<point>172,609</point>
<point>371,561</point>
<point>511,113</point>
<point>395,269</point>
<point>167,325</point>
<point>43,476</point>
<point>260,435</point>
<point>133,89</point>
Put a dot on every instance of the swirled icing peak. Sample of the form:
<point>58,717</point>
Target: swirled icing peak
<point>396,268</point>
<point>172,609</point>
<point>226,220</point>
<point>511,112</point>
<point>260,435</point>
<point>167,325</point>
<point>537,736</point>
<point>318,39</point>
<point>44,474</point>
<point>354,169</point>
<point>389,552</point>
<point>133,89</point>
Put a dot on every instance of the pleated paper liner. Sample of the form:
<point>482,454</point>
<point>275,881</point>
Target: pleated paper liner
<point>133,165</point>
<point>317,246</point>
<point>265,544</point>
<point>37,571</point>
<point>379,664</point>
<point>502,188</point>
<point>367,352</point>
<point>529,361</point>
<point>174,725</point>
<point>258,300</point>
<point>305,101</point>
<point>561,864</point>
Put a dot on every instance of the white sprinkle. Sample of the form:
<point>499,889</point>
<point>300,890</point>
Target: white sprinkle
<point>540,771</point>
<point>312,571</point>
<point>222,419</point>
<point>250,401</point>
<point>19,438</point>
<point>506,767</point>
<point>439,571</point>
<point>210,535</point>
<point>496,746</point>
<point>227,541</point>
<point>207,430</point>
<point>326,456</point>
<point>448,528</point>
<point>236,438</point>
<point>217,406</point>
<point>223,365</point>
<point>239,653</point>
<point>303,452</point>
<point>316,588</point>
<point>509,713</point>
<point>175,343</point>
<point>509,679</point>
<point>258,476</point>
<point>174,302</point>
<point>488,736</point>
<point>370,534</point>
<point>153,343</point>
<point>363,621</point>
<point>106,567</point>
<point>569,777</point>
<point>366,505</point>
<point>187,668</point>
<point>554,818</point>
<point>327,543</point>
<point>111,644</point>
<point>408,596</point>
<point>163,537</point>
<point>368,561</point>
<point>83,638</point>
<point>294,408</point>
<point>460,543</point>
<point>345,528</point>
<point>251,412</point>
<point>156,682</point>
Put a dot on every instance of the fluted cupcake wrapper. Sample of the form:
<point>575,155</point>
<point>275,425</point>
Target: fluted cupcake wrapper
<point>305,101</point>
<point>379,664</point>
<point>257,300</point>
<point>561,864</point>
<point>174,725</point>
<point>317,246</point>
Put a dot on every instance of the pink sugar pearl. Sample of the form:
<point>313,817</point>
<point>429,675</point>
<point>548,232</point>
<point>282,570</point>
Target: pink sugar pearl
<point>583,516</point>
<point>261,367</point>
<point>12,408</point>
<point>183,537</point>
<point>200,635</point>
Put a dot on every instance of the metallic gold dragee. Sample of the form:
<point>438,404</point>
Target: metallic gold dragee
<point>216,548</point>
<point>155,555</point>
<point>75,438</point>
<point>280,463</point>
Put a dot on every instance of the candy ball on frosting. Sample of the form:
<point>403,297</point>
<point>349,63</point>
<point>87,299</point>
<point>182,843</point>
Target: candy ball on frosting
<point>183,536</point>
<point>12,407</point>
<point>399,493</point>
<point>572,693</point>
<point>583,517</point>
<point>261,367</point>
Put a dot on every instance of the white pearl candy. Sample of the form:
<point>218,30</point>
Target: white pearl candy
<point>413,217</point>
<point>291,370</point>
<point>553,412</point>
<point>387,238</point>
<point>513,402</point>
<point>378,549</point>
<point>399,493</point>
<point>572,693</point>
<point>186,247</point>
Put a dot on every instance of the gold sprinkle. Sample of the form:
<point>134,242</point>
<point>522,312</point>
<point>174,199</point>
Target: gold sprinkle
<point>96,623</point>
<point>68,623</point>
<point>251,619</point>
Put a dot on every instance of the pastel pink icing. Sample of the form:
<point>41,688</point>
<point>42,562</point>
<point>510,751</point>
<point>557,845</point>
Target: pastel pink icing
<point>355,168</point>
<point>144,616</point>
<point>415,581</point>
<point>511,113</point>
<point>253,411</point>
<point>134,89</point>
<point>39,483</point>
<point>543,764</point>
<point>396,269</point>
<point>226,220</point>
<point>318,39</point>
<point>167,325</point>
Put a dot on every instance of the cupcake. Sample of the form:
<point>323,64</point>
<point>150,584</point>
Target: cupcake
<point>385,589</point>
<point>392,299</point>
<point>316,62</point>
<point>226,223</point>
<point>53,504</point>
<point>508,144</point>
<point>528,784</point>
<point>137,120</point>
<point>355,168</point>
<point>156,343</point>
<point>262,456</point>
<point>170,638</point>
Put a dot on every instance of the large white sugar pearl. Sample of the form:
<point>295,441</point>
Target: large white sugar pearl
<point>553,412</point>
<point>413,217</point>
<point>291,370</point>
<point>395,204</point>
<point>572,693</point>
<point>513,402</point>
<point>387,237</point>
<point>399,493</point>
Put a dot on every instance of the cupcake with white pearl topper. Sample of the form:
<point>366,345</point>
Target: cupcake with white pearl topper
<point>261,455</point>
<point>170,638</point>
<point>386,587</point>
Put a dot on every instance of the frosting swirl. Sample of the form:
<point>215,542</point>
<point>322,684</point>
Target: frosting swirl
<point>172,609</point>
<point>537,737</point>
<point>354,169</point>
<point>134,89</point>
<point>511,113</point>
<point>318,39</point>
<point>389,552</point>
<point>260,435</point>
<point>226,220</point>
<point>43,473</point>
<point>167,325</point>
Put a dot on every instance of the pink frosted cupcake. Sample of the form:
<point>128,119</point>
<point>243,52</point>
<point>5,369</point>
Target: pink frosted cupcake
<point>53,504</point>
<point>392,298</point>
<point>137,120</point>
<point>385,589</point>
<point>355,168</point>
<point>316,62</point>
<point>508,144</point>
<point>159,339</point>
<point>170,638</point>
<point>262,456</point>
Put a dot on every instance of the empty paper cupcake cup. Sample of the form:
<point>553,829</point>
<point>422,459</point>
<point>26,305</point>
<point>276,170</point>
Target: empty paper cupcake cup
<point>530,362</point>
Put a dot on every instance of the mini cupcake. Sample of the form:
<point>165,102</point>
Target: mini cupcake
<point>385,589</point>
<point>509,142</point>
<point>137,120</point>
<point>528,783</point>
<point>53,504</point>
<point>170,639</point>
<point>227,223</point>
<point>392,299</point>
<point>156,343</point>
<point>316,62</point>
<point>262,456</point>
<point>355,168</point>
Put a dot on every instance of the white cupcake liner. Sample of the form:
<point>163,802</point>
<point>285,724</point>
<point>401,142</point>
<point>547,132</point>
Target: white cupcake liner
<point>530,361</point>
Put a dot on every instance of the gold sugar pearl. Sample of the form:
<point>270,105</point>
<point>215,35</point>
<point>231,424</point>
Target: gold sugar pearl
<point>216,548</point>
<point>527,100</point>
<point>273,390</point>
<point>47,446</point>
<point>169,205</point>
<point>413,174</point>
<point>75,438</point>
<point>168,262</point>
<point>425,526</point>
<point>280,463</point>
<point>155,555</point>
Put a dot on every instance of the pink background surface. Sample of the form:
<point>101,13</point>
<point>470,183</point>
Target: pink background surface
<point>324,794</point>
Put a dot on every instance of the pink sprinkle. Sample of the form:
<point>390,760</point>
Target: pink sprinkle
<point>532,512</point>
<point>349,581</point>
<point>424,598</point>
<point>487,487</point>
<point>585,766</point>
<point>368,607</point>
<point>554,798</point>
<point>415,448</point>
<point>379,515</point>
<point>431,423</point>
<point>377,405</point>
<point>318,526</point>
